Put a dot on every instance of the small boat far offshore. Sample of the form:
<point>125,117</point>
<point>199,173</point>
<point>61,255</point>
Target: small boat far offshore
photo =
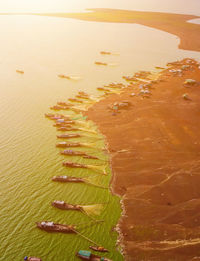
<point>100,63</point>
<point>20,71</point>
<point>64,76</point>
<point>105,53</point>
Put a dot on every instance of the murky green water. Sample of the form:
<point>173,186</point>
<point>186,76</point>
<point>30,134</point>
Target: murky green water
<point>44,47</point>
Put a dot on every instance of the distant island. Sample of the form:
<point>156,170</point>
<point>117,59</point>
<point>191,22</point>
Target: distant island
<point>176,24</point>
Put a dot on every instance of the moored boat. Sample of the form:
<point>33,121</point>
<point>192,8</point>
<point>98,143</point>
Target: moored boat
<point>75,100</point>
<point>98,168</point>
<point>65,206</point>
<point>87,255</point>
<point>77,153</point>
<point>67,145</point>
<point>68,179</point>
<point>32,258</point>
<point>74,165</point>
<point>66,128</point>
<point>68,136</point>
<point>64,104</point>
<point>99,249</point>
<point>53,227</point>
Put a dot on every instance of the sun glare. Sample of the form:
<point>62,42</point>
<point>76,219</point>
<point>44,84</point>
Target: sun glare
<point>39,5</point>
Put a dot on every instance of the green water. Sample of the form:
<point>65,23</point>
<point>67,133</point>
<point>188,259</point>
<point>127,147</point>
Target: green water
<point>44,47</point>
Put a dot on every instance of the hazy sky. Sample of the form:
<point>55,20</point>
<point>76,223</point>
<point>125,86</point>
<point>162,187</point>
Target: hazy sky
<point>179,6</point>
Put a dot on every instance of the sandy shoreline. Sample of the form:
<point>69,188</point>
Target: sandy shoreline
<point>175,24</point>
<point>154,146</point>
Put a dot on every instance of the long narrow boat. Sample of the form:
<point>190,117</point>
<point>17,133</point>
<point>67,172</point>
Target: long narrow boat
<point>64,103</point>
<point>87,180</point>
<point>65,206</point>
<point>64,144</point>
<point>89,210</point>
<point>20,71</point>
<point>87,255</point>
<point>62,76</point>
<point>68,136</point>
<point>63,122</point>
<point>101,169</point>
<point>32,258</point>
<point>66,128</point>
<point>77,153</point>
<point>99,249</point>
<point>105,53</point>
<point>75,100</point>
<point>68,179</point>
<point>53,227</point>
<point>100,63</point>
<point>74,165</point>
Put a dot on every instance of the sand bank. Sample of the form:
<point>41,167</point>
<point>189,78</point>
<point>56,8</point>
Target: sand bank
<point>154,145</point>
<point>176,24</point>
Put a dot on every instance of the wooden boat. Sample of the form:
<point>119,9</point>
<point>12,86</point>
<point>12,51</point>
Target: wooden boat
<point>68,136</point>
<point>87,255</point>
<point>89,210</point>
<point>103,89</point>
<point>100,63</point>
<point>66,128</point>
<point>64,76</point>
<point>20,71</point>
<point>75,100</point>
<point>53,227</point>
<point>68,179</point>
<point>64,122</point>
<point>49,115</point>
<point>77,153</point>
<point>98,168</point>
<point>65,206</point>
<point>115,85</point>
<point>83,95</point>
<point>32,258</point>
<point>64,144</point>
<point>99,249</point>
<point>74,165</point>
<point>68,145</point>
<point>105,53</point>
<point>87,180</point>
<point>129,78</point>
<point>64,103</point>
<point>159,68</point>
<point>58,108</point>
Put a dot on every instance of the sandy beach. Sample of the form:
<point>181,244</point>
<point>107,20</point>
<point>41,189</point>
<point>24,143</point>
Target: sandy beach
<point>176,24</point>
<point>154,147</point>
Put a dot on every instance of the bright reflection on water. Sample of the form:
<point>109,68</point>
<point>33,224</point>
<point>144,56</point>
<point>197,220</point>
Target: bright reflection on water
<point>44,47</point>
<point>171,6</point>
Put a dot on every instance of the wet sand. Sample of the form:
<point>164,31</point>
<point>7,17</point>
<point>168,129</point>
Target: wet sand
<point>154,145</point>
<point>176,24</point>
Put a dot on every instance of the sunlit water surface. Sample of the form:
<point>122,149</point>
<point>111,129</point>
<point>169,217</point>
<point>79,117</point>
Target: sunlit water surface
<point>44,47</point>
